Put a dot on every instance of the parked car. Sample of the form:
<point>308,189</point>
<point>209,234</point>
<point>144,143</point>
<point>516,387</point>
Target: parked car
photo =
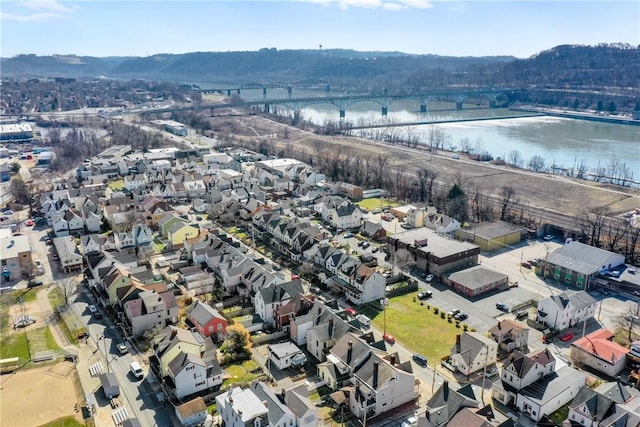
<point>491,371</point>
<point>136,370</point>
<point>461,316</point>
<point>29,223</point>
<point>453,312</point>
<point>548,237</point>
<point>410,422</point>
<point>566,337</point>
<point>350,311</point>
<point>34,282</point>
<point>428,277</point>
<point>122,348</point>
<point>526,264</point>
<point>348,235</point>
<point>365,245</point>
<point>522,314</point>
<point>97,315</point>
<point>92,308</point>
<point>502,307</point>
<point>420,359</point>
<point>388,338</point>
<point>425,295</point>
<point>363,319</point>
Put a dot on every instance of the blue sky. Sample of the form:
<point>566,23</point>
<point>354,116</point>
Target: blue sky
<point>442,27</point>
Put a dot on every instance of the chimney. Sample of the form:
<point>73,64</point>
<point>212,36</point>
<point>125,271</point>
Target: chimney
<point>458,347</point>
<point>445,390</point>
<point>330,327</point>
<point>349,352</point>
<point>393,359</point>
<point>375,375</point>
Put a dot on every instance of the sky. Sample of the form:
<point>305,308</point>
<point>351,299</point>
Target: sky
<point>442,27</point>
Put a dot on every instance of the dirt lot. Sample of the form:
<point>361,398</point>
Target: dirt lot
<point>52,387</point>
<point>555,198</point>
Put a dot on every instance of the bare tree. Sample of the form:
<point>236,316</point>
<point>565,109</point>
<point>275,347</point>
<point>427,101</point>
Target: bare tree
<point>67,287</point>
<point>514,158</point>
<point>536,163</point>
<point>593,222</point>
<point>627,321</point>
<point>508,200</point>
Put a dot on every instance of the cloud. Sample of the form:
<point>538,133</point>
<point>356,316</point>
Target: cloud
<point>41,10</point>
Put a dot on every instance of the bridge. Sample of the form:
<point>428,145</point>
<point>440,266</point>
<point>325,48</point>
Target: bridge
<point>302,84</point>
<point>344,101</point>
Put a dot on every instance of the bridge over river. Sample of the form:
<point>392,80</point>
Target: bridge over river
<point>488,97</point>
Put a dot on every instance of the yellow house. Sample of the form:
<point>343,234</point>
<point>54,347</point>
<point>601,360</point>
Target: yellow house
<point>114,281</point>
<point>170,342</point>
<point>180,232</point>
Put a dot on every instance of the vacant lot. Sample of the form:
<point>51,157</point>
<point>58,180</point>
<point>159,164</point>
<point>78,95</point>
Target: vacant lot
<point>417,327</point>
<point>32,397</point>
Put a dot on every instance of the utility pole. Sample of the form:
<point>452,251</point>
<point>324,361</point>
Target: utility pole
<point>484,370</point>
<point>106,355</point>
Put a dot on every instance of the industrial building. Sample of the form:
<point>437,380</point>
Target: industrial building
<point>16,132</point>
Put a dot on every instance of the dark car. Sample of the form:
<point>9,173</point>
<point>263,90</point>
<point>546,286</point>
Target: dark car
<point>97,315</point>
<point>420,359</point>
<point>425,295</point>
<point>502,307</point>
<point>34,282</point>
<point>461,316</point>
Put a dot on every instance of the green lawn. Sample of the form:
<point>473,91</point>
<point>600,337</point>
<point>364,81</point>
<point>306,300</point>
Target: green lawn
<point>376,202</point>
<point>238,375</point>
<point>15,345</point>
<point>69,421</point>
<point>416,326</point>
<point>69,323</point>
<point>116,185</point>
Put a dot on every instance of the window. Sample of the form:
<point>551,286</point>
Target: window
<point>200,384</point>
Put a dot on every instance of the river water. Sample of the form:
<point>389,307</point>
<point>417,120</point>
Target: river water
<point>560,141</point>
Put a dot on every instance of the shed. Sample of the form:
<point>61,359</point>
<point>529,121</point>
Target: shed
<point>193,412</point>
<point>110,385</point>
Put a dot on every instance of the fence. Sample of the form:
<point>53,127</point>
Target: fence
<point>264,338</point>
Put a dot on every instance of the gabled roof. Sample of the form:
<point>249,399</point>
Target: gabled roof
<point>203,313</point>
<point>578,299</point>
<point>522,363</point>
<point>281,292</point>
<point>182,360</point>
<point>192,407</point>
<point>583,258</point>
<point>599,344</point>
<point>276,408</point>
<point>445,403</point>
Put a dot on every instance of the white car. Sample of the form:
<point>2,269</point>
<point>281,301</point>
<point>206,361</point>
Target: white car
<point>410,422</point>
<point>429,277</point>
<point>122,348</point>
<point>93,309</point>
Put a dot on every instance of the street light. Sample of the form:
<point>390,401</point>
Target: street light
<point>103,338</point>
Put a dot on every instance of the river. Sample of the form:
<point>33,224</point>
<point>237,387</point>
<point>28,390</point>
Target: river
<point>560,141</point>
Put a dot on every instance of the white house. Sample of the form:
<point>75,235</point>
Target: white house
<point>346,216</point>
<point>191,373</point>
<point>256,406</point>
<point>93,222</point>
<point>598,351</point>
<point>268,298</point>
<point>285,355</point>
<point>192,413</point>
<point>365,285</point>
<point>472,352</point>
<point>566,310</point>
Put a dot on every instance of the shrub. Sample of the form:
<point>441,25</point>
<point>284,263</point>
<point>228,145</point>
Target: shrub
<point>428,307</point>
<point>465,327</point>
<point>435,310</point>
<point>458,324</point>
<point>473,330</point>
<point>443,314</point>
<point>421,302</point>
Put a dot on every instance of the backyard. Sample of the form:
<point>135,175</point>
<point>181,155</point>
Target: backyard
<point>416,326</point>
<point>377,202</point>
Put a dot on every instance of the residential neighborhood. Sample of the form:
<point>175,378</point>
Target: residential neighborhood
<point>254,291</point>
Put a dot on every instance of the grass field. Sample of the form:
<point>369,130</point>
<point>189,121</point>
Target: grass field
<point>238,375</point>
<point>69,421</point>
<point>116,185</point>
<point>417,327</point>
<point>376,202</point>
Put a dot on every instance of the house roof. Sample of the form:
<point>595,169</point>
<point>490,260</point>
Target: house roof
<point>551,385</point>
<point>276,409</point>
<point>203,313</point>
<point>578,299</point>
<point>506,326</point>
<point>298,404</point>
<point>599,344</point>
<point>523,363</point>
<point>192,407</point>
<point>471,343</point>
<point>445,403</point>
<point>282,291</point>
<point>182,360</point>
<point>477,277</point>
<point>284,349</point>
<point>583,258</point>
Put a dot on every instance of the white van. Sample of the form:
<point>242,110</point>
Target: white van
<point>136,370</point>
<point>363,319</point>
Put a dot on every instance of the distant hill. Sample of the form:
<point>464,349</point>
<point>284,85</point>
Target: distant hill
<point>604,69</point>
<point>265,65</point>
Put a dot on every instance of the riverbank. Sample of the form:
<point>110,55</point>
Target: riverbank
<point>594,117</point>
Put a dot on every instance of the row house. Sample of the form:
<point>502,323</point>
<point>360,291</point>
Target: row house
<point>255,406</point>
<point>132,182</point>
<point>324,330</point>
<point>67,223</point>
<point>365,285</point>
<point>268,299</point>
<point>347,216</point>
<point>147,310</point>
<point>186,362</point>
